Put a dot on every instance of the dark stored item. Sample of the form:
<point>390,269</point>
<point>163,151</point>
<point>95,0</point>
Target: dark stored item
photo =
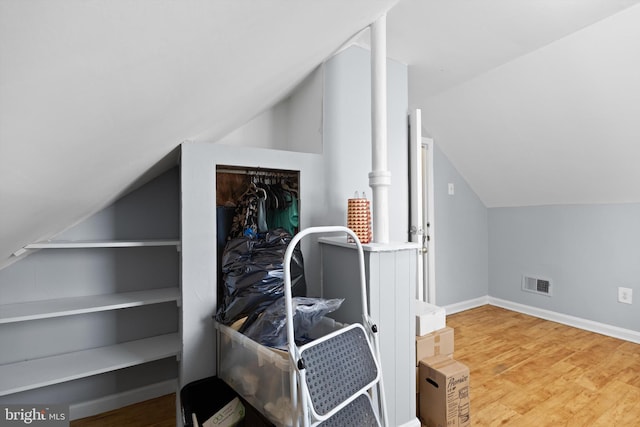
<point>253,275</point>
<point>224,219</point>
<point>270,328</point>
<point>207,396</point>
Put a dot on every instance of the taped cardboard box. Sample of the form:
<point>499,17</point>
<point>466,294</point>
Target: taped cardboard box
<point>444,392</point>
<point>436,343</point>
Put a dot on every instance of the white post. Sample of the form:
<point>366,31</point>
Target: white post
<point>379,177</point>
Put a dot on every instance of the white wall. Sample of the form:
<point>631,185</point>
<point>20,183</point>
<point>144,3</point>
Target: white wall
<point>533,130</point>
<point>330,113</point>
<point>304,130</point>
<point>347,136</point>
<point>293,124</point>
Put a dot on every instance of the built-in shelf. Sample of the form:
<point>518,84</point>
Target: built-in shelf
<point>31,374</point>
<point>20,312</point>
<point>73,244</point>
<point>97,304</point>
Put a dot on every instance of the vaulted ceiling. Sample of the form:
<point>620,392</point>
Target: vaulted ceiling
<point>93,94</point>
<point>534,102</point>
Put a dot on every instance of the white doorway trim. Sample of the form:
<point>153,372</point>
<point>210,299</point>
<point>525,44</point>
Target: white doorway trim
<point>421,209</point>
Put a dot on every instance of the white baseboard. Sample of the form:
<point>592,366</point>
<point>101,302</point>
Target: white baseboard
<point>115,401</point>
<point>565,319</point>
<point>413,423</point>
<point>466,305</point>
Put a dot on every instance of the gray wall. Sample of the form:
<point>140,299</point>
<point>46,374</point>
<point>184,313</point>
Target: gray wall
<point>461,236</point>
<point>347,136</point>
<point>586,250</point>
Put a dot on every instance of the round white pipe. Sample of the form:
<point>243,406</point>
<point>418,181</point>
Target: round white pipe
<point>379,177</point>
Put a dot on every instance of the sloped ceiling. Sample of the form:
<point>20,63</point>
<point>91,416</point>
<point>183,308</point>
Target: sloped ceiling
<point>95,93</point>
<point>535,102</point>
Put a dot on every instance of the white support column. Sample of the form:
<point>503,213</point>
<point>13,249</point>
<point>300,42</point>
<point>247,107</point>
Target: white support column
<point>379,177</point>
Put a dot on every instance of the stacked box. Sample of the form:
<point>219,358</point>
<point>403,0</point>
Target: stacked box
<point>436,343</point>
<point>444,392</point>
<point>429,317</point>
<point>442,383</point>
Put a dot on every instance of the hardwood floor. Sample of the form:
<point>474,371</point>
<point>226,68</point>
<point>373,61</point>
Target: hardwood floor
<point>159,412</point>
<point>527,371</point>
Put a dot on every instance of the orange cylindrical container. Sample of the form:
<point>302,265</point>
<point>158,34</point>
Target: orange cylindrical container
<point>359,219</point>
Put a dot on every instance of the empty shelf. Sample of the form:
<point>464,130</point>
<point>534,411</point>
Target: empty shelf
<point>72,244</point>
<point>33,310</point>
<point>31,374</point>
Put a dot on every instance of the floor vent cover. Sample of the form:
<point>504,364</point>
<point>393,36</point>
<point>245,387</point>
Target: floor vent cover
<point>536,285</point>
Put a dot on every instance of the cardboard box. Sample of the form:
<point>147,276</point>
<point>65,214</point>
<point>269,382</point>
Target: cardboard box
<point>436,343</point>
<point>429,317</point>
<point>229,416</point>
<point>444,392</point>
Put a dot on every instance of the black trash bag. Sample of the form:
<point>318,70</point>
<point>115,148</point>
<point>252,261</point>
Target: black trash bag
<point>270,328</point>
<point>253,275</point>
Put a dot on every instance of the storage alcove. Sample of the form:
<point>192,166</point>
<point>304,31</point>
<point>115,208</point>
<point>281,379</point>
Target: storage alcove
<point>234,183</point>
<point>200,164</point>
<point>92,315</point>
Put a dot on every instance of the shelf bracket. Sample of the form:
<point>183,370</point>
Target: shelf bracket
<point>20,252</point>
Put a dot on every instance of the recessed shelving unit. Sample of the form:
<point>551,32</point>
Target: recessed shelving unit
<point>20,312</point>
<point>91,317</point>
<point>82,244</point>
<point>36,373</point>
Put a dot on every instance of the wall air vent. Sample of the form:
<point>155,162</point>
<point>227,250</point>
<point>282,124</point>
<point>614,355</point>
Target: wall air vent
<point>536,285</point>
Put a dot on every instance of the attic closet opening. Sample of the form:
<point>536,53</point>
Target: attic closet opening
<point>251,200</point>
<point>255,200</point>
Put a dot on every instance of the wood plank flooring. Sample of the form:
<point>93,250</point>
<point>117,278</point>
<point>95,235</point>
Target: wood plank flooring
<point>158,412</point>
<point>527,371</point>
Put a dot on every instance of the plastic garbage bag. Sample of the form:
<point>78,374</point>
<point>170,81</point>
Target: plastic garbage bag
<point>253,275</point>
<point>270,328</point>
